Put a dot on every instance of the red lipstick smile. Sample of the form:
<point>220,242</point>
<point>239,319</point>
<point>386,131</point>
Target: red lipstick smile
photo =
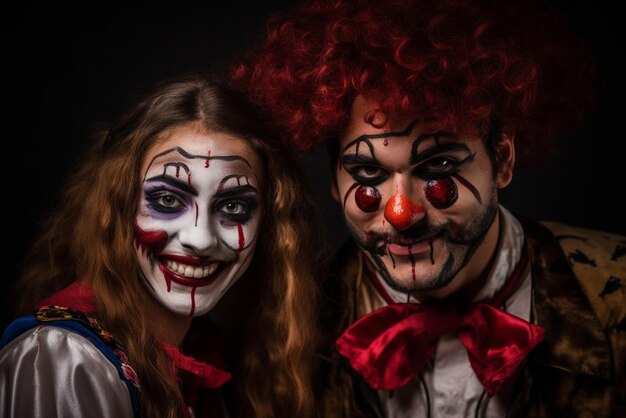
<point>189,271</point>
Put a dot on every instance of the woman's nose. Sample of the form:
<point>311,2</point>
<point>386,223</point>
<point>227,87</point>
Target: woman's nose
<point>401,212</point>
<point>199,236</point>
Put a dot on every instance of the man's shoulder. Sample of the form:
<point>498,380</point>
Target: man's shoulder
<point>591,251</point>
<point>598,260</point>
<point>583,234</point>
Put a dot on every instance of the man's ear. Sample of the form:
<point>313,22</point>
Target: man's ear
<point>505,159</point>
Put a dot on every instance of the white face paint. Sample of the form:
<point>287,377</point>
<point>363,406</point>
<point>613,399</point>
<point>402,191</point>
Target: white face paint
<point>198,217</point>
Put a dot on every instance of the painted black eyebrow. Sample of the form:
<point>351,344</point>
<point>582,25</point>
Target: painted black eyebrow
<point>189,156</point>
<point>365,137</point>
<point>421,138</point>
<point>357,159</point>
<point>174,183</point>
<point>436,149</point>
<point>236,191</point>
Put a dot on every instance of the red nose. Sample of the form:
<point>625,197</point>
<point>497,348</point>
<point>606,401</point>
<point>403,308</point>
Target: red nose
<point>401,212</point>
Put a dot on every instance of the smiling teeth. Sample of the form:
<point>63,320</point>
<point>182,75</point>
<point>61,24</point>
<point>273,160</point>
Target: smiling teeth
<point>192,272</point>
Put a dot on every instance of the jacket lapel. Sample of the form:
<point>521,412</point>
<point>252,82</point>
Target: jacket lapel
<point>574,341</point>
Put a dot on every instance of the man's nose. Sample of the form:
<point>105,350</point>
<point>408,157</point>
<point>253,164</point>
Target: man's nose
<point>401,212</point>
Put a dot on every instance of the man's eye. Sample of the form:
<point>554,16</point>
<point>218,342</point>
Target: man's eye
<point>367,171</point>
<point>437,167</point>
<point>440,163</point>
<point>369,175</point>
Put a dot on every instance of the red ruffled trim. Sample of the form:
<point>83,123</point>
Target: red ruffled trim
<point>77,296</point>
<point>208,376</point>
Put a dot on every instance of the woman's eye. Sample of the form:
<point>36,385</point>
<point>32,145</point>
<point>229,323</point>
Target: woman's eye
<point>233,208</point>
<point>169,201</point>
<point>238,211</point>
<point>164,201</point>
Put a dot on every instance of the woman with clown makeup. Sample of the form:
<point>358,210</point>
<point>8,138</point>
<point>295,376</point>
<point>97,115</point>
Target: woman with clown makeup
<point>170,209</point>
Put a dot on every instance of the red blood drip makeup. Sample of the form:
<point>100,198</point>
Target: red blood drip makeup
<point>153,241</point>
<point>167,277</point>
<point>441,193</point>
<point>385,142</point>
<point>367,198</point>
<point>206,163</point>
<point>150,240</point>
<point>177,171</point>
<point>242,239</point>
<point>193,301</point>
<point>412,262</point>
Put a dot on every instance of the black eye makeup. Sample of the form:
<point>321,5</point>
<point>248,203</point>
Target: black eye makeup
<point>236,205</point>
<point>440,160</point>
<point>364,170</point>
<point>163,200</point>
<point>440,166</point>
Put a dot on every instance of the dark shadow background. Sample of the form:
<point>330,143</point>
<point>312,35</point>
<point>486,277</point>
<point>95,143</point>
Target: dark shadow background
<point>66,69</point>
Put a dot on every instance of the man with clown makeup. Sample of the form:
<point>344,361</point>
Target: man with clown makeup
<point>172,208</point>
<point>445,303</point>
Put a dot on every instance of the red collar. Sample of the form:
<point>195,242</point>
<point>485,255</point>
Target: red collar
<point>79,296</point>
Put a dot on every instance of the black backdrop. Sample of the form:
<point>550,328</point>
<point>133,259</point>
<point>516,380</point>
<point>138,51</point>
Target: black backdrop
<point>65,69</point>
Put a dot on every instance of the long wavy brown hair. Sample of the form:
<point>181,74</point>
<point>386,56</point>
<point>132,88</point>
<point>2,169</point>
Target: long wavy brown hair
<point>90,238</point>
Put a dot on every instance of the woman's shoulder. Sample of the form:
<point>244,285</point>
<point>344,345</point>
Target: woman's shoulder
<point>52,346</point>
<point>62,367</point>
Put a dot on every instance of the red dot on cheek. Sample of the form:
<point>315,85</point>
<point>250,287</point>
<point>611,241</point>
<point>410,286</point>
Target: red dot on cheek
<point>151,240</point>
<point>367,198</point>
<point>441,193</point>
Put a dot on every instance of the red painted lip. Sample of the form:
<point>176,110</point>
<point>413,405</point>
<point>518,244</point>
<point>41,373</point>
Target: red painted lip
<point>192,261</point>
<point>411,248</point>
<point>187,281</point>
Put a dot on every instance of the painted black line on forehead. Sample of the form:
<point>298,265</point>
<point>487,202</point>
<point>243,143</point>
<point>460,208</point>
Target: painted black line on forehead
<point>366,137</point>
<point>189,156</point>
<point>437,148</point>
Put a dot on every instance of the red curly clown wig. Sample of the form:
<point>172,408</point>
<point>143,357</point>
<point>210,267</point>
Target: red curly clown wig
<point>497,64</point>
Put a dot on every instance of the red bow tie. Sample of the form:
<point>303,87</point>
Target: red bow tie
<point>389,346</point>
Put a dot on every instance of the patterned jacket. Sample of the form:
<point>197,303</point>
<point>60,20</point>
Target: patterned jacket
<point>578,297</point>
